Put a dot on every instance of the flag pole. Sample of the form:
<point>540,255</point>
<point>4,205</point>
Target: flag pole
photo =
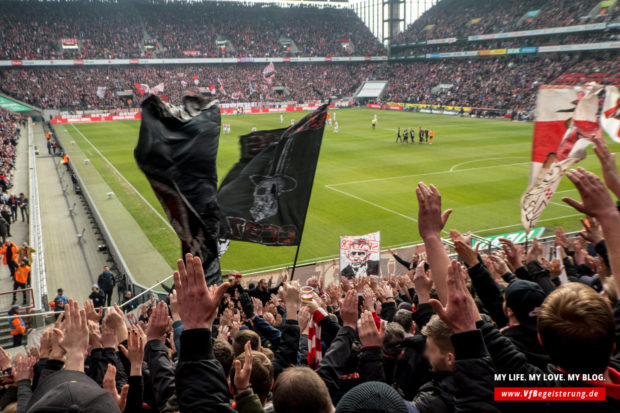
<point>301,233</point>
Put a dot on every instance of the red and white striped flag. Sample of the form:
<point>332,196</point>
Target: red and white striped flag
<point>315,354</point>
<point>571,112</point>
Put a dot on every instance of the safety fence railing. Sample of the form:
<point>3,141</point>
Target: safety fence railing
<point>37,269</point>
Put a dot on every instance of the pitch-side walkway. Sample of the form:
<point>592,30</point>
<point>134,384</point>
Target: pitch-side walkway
<point>72,263</point>
<point>145,263</point>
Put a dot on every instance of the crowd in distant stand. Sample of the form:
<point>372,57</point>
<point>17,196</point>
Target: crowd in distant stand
<point>450,18</point>
<point>33,30</point>
<point>493,82</point>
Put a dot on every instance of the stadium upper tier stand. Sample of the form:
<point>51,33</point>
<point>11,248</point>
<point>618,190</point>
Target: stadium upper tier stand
<point>492,82</point>
<point>141,29</point>
<point>459,18</point>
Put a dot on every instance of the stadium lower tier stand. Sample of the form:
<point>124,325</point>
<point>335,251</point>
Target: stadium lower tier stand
<point>491,82</point>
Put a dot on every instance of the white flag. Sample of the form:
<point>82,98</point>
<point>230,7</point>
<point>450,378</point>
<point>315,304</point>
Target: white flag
<point>158,88</point>
<point>101,91</point>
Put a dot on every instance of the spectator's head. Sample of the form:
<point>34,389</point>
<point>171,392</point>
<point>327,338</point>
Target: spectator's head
<point>301,390</point>
<point>106,269</point>
<point>405,319</point>
<point>242,337</point>
<point>439,350</point>
<point>127,294</point>
<point>393,339</point>
<point>95,288</point>
<point>577,329</point>
<point>13,310</point>
<point>372,396</point>
<point>261,378</point>
<point>60,292</point>
<point>223,352</point>
<point>523,301</point>
<point>262,285</point>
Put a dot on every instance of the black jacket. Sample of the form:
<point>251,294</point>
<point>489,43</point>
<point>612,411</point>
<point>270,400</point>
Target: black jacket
<point>98,298</point>
<point>412,370</point>
<point>333,363</point>
<point>436,395</point>
<point>201,384</point>
<point>489,292</point>
<point>527,342</point>
<point>161,373</point>
<point>106,282</point>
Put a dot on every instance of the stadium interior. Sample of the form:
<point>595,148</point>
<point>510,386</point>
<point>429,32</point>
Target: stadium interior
<point>260,136</point>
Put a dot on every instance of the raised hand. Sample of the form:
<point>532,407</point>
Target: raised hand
<point>174,305</point>
<point>608,165</point>
<point>468,254</point>
<point>367,331</point>
<point>349,310</point>
<point>514,254</point>
<point>5,359</point>
<point>197,305</point>
<point>109,384</point>
<point>91,313</point>
<point>535,252</point>
<point>595,199</point>
<point>431,221</point>
<point>23,369</point>
<point>243,374</point>
<point>45,346</point>
<point>422,283</point>
<point>74,336</point>
<point>135,351</point>
<point>158,322</point>
<point>460,313</point>
<point>592,232</point>
<point>116,320</point>
<point>303,318</point>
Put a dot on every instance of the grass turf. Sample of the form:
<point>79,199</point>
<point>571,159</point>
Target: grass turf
<point>364,182</point>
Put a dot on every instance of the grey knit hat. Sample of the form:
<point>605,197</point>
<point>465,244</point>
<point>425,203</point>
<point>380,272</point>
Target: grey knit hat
<point>372,397</point>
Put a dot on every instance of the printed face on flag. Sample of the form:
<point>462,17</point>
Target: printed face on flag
<point>360,255</point>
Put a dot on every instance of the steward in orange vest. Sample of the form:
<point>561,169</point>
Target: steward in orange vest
<point>11,255</point>
<point>22,275</point>
<point>17,326</point>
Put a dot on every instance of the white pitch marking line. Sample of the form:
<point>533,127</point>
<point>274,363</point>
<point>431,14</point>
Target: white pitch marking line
<point>372,203</point>
<point>425,174</point>
<point>165,221</point>
<point>453,168</point>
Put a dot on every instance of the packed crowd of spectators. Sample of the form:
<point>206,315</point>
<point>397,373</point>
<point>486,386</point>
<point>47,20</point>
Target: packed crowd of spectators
<point>461,18</point>
<point>440,338</point>
<point>493,82</point>
<point>10,125</point>
<point>77,87</point>
<point>108,30</point>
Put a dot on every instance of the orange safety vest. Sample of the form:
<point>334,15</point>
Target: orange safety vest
<point>17,326</point>
<point>65,159</point>
<point>47,135</point>
<point>15,253</point>
<point>432,133</point>
<point>22,273</point>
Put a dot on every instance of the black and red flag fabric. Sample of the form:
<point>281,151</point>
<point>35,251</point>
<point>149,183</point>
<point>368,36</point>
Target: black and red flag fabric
<point>177,151</point>
<point>265,196</point>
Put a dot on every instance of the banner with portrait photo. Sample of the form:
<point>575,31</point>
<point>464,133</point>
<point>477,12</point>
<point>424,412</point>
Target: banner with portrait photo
<point>360,255</point>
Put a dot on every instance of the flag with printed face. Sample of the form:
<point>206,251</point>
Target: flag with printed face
<point>571,111</point>
<point>101,91</point>
<point>176,150</point>
<point>264,198</point>
<point>610,118</point>
<point>360,255</point>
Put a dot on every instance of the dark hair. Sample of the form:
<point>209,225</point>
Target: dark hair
<point>261,377</point>
<point>301,390</point>
<point>577,329</point>
<point>223,352</point>
<point>405,319</point>
<point>242,337</point>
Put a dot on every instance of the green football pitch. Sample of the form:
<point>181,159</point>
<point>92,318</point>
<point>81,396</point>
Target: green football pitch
<point>365,182</point>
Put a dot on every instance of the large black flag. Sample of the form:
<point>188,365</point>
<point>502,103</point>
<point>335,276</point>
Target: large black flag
<point>265,196</point>
<point>176,151</point>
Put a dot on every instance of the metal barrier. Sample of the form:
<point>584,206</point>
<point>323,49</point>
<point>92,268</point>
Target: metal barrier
<point>8,297</point>
<point>37,269</point>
